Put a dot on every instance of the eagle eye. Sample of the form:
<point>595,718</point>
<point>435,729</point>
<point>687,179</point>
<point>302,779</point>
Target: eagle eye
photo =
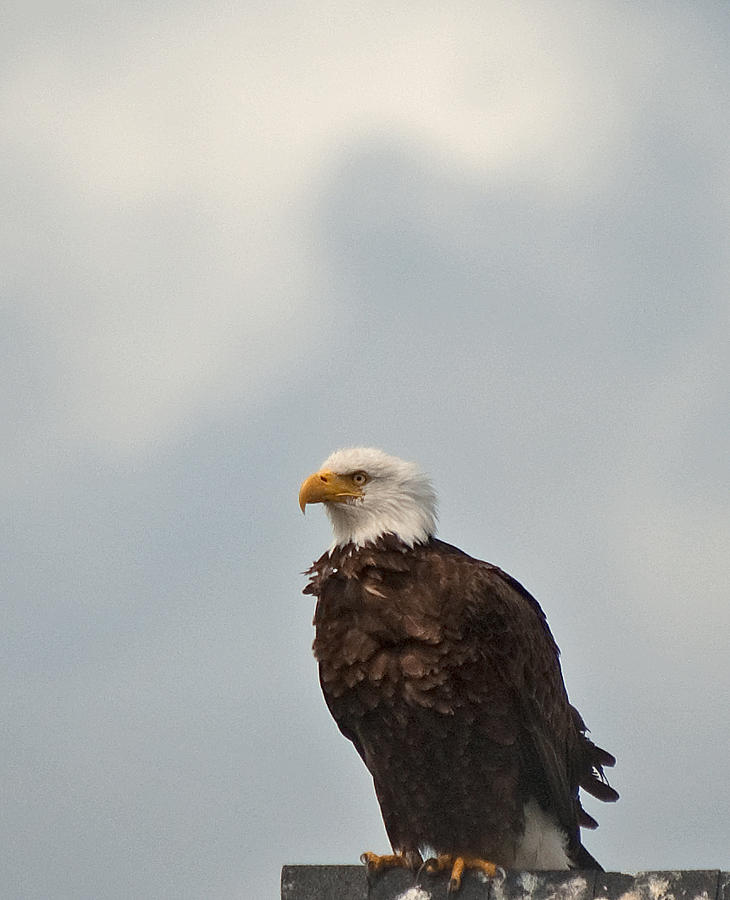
<point>359,478</point>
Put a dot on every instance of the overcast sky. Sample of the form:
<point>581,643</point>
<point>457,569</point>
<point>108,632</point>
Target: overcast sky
<point>491,237</point>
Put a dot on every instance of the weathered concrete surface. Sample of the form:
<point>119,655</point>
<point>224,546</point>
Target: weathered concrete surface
<point>324,883</point>
<point>352,883</point>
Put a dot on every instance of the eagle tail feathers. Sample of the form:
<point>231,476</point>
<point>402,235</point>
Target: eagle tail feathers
<point>586,821</point>
<point>593,778</point>
<point>584,860</point>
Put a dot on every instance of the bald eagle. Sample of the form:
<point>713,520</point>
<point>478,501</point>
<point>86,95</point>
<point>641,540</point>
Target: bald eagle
<point>442,671</point>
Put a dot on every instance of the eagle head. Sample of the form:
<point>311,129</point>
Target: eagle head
<point>367,493</point>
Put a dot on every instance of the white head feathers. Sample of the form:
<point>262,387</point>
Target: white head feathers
<point>397,498</point>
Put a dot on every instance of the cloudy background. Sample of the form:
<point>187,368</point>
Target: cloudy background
<point>491,237</point>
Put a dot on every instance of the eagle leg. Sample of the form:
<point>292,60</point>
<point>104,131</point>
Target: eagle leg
<point>408,859</point>
<point>445,862</point>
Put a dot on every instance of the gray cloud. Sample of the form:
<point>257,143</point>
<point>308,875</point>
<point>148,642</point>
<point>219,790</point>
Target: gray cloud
<point>493,242</point>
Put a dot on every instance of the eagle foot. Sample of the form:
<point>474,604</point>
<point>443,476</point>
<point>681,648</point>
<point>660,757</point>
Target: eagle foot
<point>445,862</point>
<point>408,860</point>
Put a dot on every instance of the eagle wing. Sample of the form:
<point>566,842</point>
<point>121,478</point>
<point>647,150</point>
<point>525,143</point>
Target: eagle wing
<point>557,756</point>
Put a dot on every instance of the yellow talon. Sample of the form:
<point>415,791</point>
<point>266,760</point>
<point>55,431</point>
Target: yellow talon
<point>456,865</point>
<point>457,870</point>
<point>375,863</point>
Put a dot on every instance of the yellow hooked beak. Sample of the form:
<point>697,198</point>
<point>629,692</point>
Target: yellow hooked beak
<point>326,487</point>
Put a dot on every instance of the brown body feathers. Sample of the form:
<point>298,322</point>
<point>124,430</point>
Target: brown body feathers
<point>442,671</point>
